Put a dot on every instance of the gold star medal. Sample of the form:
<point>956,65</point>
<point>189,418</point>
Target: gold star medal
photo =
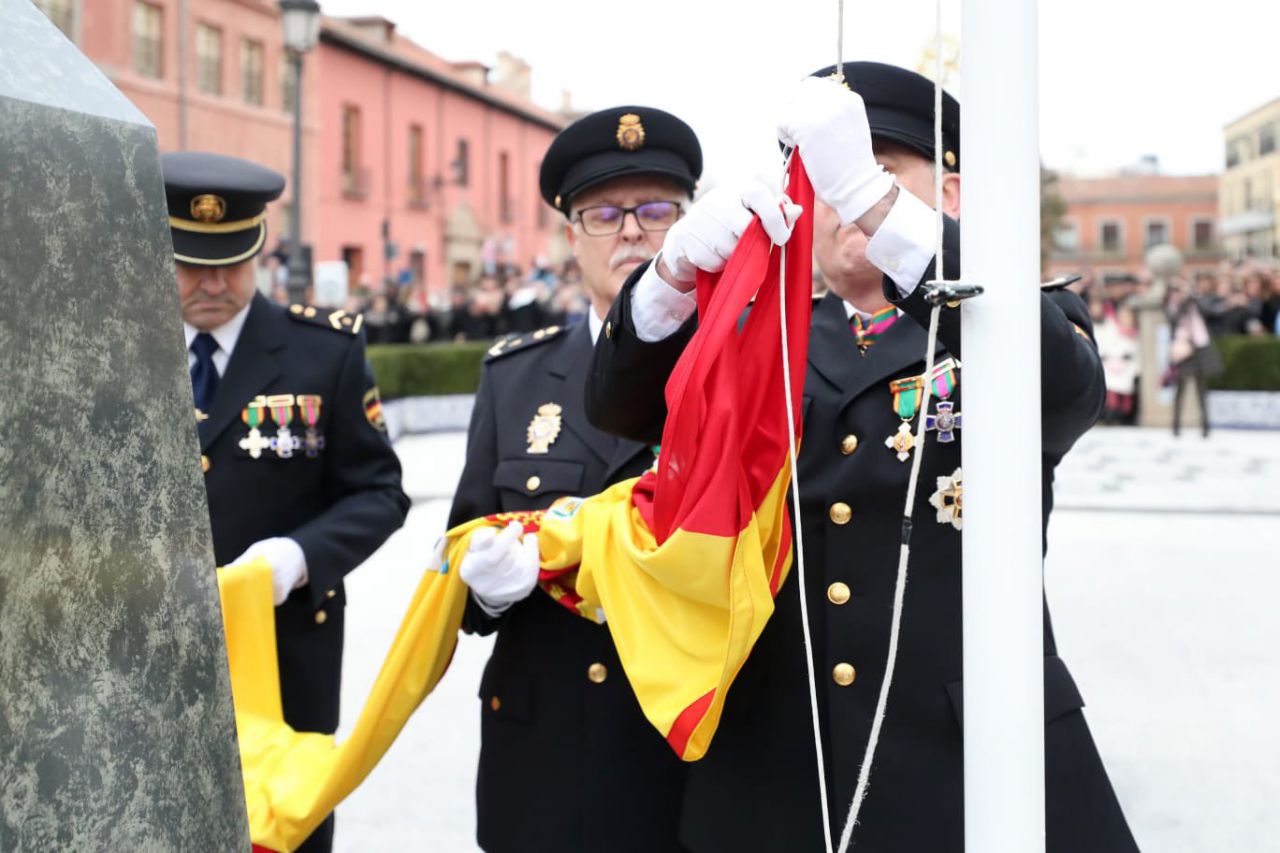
<point>906,402</point>
<point>544,429</point>
<point>948,500</point>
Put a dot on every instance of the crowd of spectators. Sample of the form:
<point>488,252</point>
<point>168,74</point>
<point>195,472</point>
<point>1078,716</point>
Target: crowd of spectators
<point>1207,305</point>
<point>503,300</point>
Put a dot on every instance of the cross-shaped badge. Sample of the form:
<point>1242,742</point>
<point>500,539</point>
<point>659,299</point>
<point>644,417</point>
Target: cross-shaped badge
<point>945,421</point>
<point>255,442</point>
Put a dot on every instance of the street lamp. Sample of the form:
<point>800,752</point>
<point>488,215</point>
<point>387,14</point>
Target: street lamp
<point>301,21</point>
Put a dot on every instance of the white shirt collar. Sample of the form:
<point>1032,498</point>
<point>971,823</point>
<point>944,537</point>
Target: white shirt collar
<point>850,310</point>
<point>594,324</point>
<point>226,335</point>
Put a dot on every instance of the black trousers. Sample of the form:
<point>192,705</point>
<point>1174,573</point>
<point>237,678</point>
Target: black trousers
<point>320,841</point>
<point>1202,392</point>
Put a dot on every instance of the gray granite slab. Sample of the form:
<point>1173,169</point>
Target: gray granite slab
<point>116,722</point>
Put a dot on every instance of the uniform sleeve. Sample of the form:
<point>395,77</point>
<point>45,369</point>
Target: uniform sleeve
<point>1072,384</point>
<point>625,393</point>
<point>366,503</point>
<point>476,495</point>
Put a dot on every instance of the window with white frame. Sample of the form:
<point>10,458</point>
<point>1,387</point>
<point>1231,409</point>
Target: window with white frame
<point>1066,236</point>
<point>1155,232</point>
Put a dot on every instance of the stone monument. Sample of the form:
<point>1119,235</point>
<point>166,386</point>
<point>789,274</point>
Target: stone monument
<point>1155,402</point>
<point>116,724</point>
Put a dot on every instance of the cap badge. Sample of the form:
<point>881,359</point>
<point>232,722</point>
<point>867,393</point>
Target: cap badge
<point>630,133</point>
<point>208,208</point>
<point>544,429</point>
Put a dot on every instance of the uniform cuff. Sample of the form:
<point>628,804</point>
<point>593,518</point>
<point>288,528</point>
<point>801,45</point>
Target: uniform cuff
<point>493,611</point>
<point>903,246</point>
<point>658,310</point>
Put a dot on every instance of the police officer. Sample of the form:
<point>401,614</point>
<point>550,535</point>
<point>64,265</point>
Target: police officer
<point>567,761</point>
<point>871,161</point>
<point>296,460</point>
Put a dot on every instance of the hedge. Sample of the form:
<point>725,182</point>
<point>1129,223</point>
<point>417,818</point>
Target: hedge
<point>1253,363</point>
<point>426,370</point>
<point>423,370</point>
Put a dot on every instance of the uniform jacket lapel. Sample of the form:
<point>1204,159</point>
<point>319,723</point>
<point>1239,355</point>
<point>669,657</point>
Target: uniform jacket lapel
<point>833,351</point>
<point>571,363</point>
<point>253,366</point>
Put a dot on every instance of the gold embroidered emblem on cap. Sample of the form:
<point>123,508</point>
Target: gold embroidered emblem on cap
<point>630,133</point>
<point>208,208</point>
<point>544,429</point>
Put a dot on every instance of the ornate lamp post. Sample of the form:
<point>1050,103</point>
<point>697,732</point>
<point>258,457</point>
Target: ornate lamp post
<point>301,21</point>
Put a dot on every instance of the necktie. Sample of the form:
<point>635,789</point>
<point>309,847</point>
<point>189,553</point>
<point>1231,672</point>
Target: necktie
<point>868,331</point>
<point>204,376</point>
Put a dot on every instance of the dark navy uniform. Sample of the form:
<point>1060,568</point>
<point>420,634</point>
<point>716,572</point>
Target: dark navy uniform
<point>568,761</point>
<point>756,788</point>
<point>339,502</point>
<point>292,441</point>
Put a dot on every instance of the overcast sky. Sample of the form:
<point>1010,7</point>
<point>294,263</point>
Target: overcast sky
<point>1118,78</point>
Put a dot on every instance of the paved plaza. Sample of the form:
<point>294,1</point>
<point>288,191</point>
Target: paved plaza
<point>1162,579</point>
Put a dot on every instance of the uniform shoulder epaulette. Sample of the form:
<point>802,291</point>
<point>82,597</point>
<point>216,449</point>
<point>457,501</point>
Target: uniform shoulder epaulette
<point>337,320</point>
<point>521,341</point>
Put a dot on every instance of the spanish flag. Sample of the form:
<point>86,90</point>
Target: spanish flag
<point>682,563</point>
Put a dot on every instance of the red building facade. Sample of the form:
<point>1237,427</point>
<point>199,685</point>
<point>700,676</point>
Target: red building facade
<point>414,168</point>
<point>1110,223</point>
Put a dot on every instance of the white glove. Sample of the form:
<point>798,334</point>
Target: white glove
<point>705,237</point>
<point>501,568</point>
<point>828,123</point>
<point>288,564</point>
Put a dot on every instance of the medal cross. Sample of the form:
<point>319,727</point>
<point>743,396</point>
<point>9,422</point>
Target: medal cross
<point>284,443</point>
<point>313,443</point>
<point>255,442</point>
<point>945,422</point>
<point>901,442</point>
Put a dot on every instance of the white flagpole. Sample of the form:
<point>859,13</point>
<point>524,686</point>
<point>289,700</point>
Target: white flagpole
<point>1003,587</point>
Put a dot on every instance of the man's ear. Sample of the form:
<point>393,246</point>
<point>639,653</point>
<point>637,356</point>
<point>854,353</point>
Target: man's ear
<point>571,234</point>
<point>951,194</point>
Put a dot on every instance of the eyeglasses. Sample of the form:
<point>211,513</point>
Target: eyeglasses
<point>606,220</point>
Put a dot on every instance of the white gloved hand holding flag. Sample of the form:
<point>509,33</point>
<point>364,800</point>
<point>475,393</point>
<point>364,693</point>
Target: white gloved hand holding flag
<point>828,124</point>
<point>501,567</point>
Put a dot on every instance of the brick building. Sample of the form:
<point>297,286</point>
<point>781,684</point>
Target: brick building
<point>427,167</point>
<point>1250,190</point>
<point>1111,222</point>
<point>414,168</point>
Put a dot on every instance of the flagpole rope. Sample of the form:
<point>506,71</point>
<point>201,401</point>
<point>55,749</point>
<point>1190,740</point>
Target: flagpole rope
<point>798,527</point>
<point>904,553</point>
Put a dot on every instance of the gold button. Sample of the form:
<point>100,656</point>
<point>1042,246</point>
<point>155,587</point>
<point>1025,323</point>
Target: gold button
<point>321,617</point>
<point>843,674</point>
<point>608,329</point>
<point>309,311</point>
<point>840,512</point>
<point>597,673</point>
<point>331,593</point>
<point>551,330</point>
<point>838,593</point>
<point>533,483</point>
<point>205,464</point>
<point>296,309</point>
<point>848,444</point>
<point>495,703</point>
